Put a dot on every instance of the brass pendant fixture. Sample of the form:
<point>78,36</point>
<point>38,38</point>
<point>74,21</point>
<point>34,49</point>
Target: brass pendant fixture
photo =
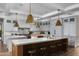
<point>58,23</point>
<point>16,22</point>
<point>29,17</point>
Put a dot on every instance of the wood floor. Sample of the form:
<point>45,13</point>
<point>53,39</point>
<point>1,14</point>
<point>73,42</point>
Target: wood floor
<point>71,51</point>
<point>3,50</point>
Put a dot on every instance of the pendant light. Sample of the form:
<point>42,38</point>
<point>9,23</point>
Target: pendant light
<point>16,22</point>
<point>58,23</point>
<point>29,17</point>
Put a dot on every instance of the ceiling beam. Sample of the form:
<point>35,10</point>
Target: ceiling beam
<point>66,9</point>
<point>23,13</point>
<point>72,7</point>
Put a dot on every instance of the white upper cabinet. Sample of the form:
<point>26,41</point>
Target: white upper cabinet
<point>69,26</point>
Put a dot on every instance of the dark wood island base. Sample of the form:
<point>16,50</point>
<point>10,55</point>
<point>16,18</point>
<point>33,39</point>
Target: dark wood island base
<point>41,48</point>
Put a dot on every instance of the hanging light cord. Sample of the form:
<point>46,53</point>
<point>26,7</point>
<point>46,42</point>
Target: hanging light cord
<point>16,16</point>
<point>58,13</point>
<point>30,9</point>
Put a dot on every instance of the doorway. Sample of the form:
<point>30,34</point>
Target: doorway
<point>1,29</point>
<point>0,32</point>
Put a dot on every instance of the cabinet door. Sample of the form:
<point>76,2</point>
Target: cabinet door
<point>69,28</point>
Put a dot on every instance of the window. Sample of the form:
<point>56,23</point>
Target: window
<point>65,20</point>
<point>72,20</point>
<point>8,21</point>
<point>14,21</point>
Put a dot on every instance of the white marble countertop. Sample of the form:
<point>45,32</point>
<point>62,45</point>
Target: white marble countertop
<point>34,40</point>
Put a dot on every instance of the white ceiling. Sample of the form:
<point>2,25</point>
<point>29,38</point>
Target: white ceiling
<point>39,9</point>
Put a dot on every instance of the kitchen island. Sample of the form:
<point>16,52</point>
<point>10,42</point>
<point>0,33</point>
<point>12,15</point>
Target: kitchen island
<point>39,46</point>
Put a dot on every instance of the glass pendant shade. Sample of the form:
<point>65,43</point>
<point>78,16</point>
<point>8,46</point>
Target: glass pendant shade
<point>16,23</point>
<point>29,17</point>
